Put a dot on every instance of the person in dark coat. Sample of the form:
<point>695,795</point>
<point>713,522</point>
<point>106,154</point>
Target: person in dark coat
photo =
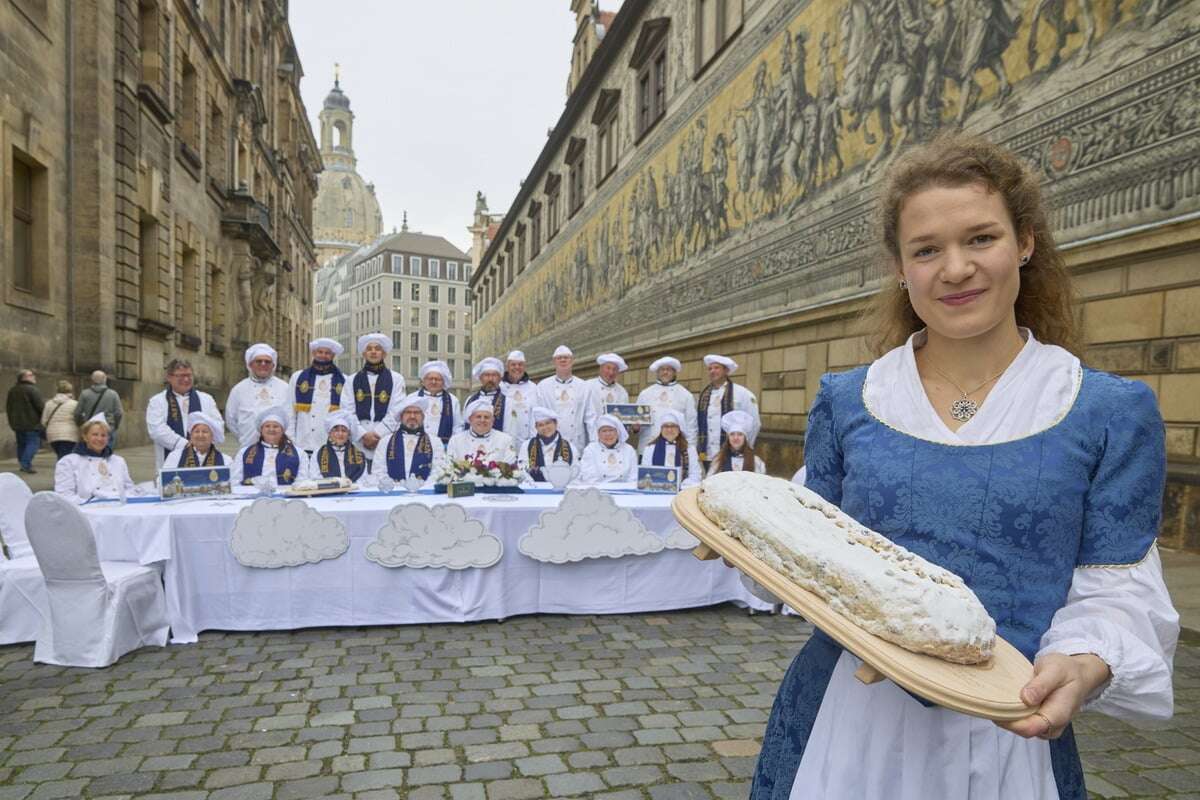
<point>24,408</point>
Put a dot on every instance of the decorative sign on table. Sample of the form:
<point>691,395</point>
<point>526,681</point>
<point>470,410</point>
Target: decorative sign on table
<point>417,535</point>
<point>285,533</point>
<point>629,413</point>
<point>658,479</point>
<point>588,524</point>
<point>194,482</point>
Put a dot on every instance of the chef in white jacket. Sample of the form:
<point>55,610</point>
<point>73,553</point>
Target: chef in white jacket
<point>168,409</point>
<point>666,393</point>
<point>716,400</point>
<point>546,446</point>
<point>339,457</point>
<point>260,390</point>
<point>481,439</point>
<point>442,414</point>
<point>567,395</point>
<point>672,449</point>
<point>315,392</point>
<point>520,396</point>
<point>92,470</point>
<point>372,394</point>
<point>736,454</point>
<point>200,450</point>
<point>604,389</point>
<point>410,449</point>
<point>609,459</point>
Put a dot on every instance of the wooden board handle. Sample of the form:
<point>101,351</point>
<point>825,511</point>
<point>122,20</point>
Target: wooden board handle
<point>868,674</point>
<point>705,553</point>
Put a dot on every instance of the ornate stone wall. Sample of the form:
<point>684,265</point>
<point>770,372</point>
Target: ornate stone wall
<point>742,222</point>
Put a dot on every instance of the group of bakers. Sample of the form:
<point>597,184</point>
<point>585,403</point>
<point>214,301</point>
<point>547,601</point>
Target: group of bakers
<point>322,423</point>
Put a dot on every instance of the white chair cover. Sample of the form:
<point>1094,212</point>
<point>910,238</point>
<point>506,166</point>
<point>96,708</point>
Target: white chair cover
<point>14,496</point>
<point>97,611</point>
<point>22,599</point>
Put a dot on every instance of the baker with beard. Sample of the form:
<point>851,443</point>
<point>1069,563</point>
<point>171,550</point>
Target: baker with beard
<point>258,391</point>
<point>409,450</point>
<point>488,372</point>
<point>604,389</point>
<point>520,397</point>
<point>373,392</point>
<point>316,392</point>
<point>441,413</point>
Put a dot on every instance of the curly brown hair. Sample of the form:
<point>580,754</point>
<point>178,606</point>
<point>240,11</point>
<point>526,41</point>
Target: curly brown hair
<point>957,159</point>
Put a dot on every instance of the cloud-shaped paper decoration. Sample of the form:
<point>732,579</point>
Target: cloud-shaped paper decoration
<point>679,539</point>
<point>416,535</point>
<point>587,524</point>
<point>285,533</point>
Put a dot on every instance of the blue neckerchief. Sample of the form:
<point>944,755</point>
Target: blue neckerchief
<point>287,463</point>
<point>659,457</point>
<point>536,458</point>
<point>188,458</point>
<point>702,416</point>
<point>372,406</point>
<point>174,418</point>
<point>422,458</point>
<point>306,384</point>
<point>327,462</point>
<point>446,424</point>
<point>81,449</point>
<point>498,402</point>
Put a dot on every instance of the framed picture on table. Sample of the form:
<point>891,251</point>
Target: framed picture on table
<point>629,413</point>
<point>194,482</point>
<point>658,479</point>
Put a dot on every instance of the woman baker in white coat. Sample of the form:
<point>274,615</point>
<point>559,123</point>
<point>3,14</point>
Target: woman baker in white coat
<point>200,450</point>
<point>274,454</point>
<point>92,471</point>
<point>737,454</point>
<point>672,449</point>
<point>610,459</point>
<point>338,457</point>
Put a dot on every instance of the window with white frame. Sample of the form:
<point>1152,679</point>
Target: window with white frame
<point>452,270</point>
<point>414,265</point>
<point>435,268</point>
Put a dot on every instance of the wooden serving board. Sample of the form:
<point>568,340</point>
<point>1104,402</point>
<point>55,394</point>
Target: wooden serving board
<point>320,492</point>
<point>990,690</point>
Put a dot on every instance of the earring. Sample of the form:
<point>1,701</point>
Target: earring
<point>903,285</point>
<point>1024,260</point>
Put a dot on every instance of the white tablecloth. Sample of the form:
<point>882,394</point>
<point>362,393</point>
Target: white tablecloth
<point>207,588</point>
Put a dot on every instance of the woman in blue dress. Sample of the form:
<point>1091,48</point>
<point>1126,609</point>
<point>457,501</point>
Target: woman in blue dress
<point>979,441</point>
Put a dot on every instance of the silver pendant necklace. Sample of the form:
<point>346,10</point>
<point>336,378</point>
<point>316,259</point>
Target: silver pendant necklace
<point>964,407</point>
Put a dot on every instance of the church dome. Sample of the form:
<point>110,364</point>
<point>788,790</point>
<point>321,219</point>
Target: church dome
<point>337,98</point>
<point>346,209</point>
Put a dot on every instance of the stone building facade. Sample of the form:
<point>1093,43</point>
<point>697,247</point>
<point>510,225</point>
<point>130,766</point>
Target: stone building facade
<point>411,286</point>
<point>710,187</point>
<point>346,212</point>
<point>158,173</point>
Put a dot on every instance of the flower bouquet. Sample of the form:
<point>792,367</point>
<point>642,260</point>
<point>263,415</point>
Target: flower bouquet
<point>487,476</point>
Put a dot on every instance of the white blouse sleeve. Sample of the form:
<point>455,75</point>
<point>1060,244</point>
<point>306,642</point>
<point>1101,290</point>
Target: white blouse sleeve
<point>66,478</point>
<point>1125,617</point>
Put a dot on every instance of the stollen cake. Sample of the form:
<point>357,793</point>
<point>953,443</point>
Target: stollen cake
<point>872,582</point>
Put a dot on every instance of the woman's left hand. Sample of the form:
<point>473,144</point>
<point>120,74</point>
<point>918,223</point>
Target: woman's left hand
<point>1060,684</point>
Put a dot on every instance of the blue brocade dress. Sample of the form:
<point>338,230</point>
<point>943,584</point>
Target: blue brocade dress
<point>1014,519</point>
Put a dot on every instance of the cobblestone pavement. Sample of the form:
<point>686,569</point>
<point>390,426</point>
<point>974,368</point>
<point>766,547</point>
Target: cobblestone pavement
<point>650,706</point>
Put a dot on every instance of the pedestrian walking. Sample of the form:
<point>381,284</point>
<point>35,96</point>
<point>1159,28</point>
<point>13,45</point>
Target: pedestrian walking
<point>24,408</point>
<point>101,398</point>
<point>58,420</point>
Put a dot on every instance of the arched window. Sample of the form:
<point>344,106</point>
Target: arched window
<point>349,217</point>
<point>339,134</point>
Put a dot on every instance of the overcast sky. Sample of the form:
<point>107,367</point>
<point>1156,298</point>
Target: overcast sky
<point>449,96</point>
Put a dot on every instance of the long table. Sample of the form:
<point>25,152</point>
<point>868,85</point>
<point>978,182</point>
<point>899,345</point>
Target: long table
<point>208,589</point>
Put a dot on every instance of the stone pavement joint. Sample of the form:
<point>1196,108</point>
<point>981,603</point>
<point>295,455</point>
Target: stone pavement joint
<point>639,707</point>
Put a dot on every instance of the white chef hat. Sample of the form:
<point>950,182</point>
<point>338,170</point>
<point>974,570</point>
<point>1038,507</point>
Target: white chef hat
<point>563,350</point>
<point>332,344</point>
<point>98,417</point>
<point>612,358</point>
<point>342,418</point>
<point>195,418</point>
<point>415,400</point>
<point>737,421</point>
<point>515,355</point>
<point>488,364</point>
<point>541,414</point>
<point>272,414</point>
<point>479,404</point>
<point>609,421</point>
<point>261,349</point>
<point>725,361</point>
<point>380,339</point>
<point>666,361</point>
<point>672,416</point>
<point>438,366</point>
